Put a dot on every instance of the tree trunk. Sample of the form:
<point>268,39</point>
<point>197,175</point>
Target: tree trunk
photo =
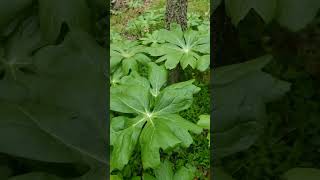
<point>176,11</point>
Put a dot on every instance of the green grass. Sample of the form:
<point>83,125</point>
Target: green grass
<point>199,6</point>
<point>120,20</point>
<point>202,7</point>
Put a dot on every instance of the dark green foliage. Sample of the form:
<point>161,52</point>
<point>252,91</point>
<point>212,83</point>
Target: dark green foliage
<point>52,113</point>
<point>290,137</point>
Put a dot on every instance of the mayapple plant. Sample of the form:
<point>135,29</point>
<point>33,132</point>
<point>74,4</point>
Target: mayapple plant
<point>148,115</point>
<point>126,55</point>
<point>184,48</point>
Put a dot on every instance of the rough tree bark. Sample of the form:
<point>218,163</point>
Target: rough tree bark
<point>176,11</point>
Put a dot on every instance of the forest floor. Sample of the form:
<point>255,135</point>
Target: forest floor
<point>120,19</point>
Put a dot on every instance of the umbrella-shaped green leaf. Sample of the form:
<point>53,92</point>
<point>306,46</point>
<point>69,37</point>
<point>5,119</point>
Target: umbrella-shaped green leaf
<point>126,55</point>
<point>156,125</point>
<point>185,48</point>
